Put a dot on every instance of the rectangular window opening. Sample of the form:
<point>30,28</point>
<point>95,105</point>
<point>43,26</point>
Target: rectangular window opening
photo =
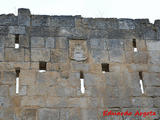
<point>42,66</point>
<point>141,82</point>
<point>134,45</point>
<point>105,67</point>
<point>17,80</point>
<point>82,82</point>
<point>17,41</point>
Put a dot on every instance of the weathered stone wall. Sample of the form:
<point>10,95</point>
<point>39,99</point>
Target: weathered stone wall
<point>55,94</point>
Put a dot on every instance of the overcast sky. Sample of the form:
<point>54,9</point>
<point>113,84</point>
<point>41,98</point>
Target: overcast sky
<point>87,8</point>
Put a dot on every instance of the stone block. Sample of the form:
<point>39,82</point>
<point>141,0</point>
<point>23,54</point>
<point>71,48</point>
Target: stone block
<point>70,114</point>
<point>24,41</point>
<point>154,57</point>
<point>137,67</point>
<point>64,91</point>
<point>24,17</point>
<point>61,42</point>
<point>40,20</point>
<point>1,54</point>
<point>126,24</point>
<point>152,91</point>
<point>151,79</point>
<point>4,90</point>
<point>99,56</point>
<point>47,78</point>
<point>153,68</point>
<point>62,21</point>
<point>98,43</point>
<point>91,79</point>
<point>59,56</point>
<point>27,55</point>
<point>142,102</point>
<point>3,30</point>
<point>4,102</point>
<point>80,67</point>
<point>17,30</point>
<point>115,43</point>
<point>14,55</point>
<point>74,79</point>
<point>29,114</point>
<point>156,102</point>
<point>137,58</point>
<point>9,19</point>
<point>9,40</point>
<point>97,34</point>
<point>116,55</point>
<point>40,54</point>
<point>149,34</point>
<point>36,101</point>
<point>27,77</point>
<point>50,42</point>
<point>48,114</point>
<point>37,42</point>
<point>153,45</point>
<point>9,77</point>
<point>58,102</point>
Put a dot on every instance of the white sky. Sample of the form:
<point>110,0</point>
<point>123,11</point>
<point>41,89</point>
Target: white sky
<point>87,8</point>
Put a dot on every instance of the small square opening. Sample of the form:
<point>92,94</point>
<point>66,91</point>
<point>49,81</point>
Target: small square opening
<point>105,67</point>
<point>17,72</point>
<point>17,41</point>
<point>81,75</point>
<point>141,75</point>
<point>42,66</point>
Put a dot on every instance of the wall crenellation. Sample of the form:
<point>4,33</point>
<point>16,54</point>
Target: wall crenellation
<point>47,61</point>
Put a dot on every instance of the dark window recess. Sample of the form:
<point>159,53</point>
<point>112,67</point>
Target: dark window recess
<point>134,43</point>
<point>17,38</point>
<point>81,75</point>
<point>105,67</point>
<point>42,65</point>
<point>140,75</point>
<point>17,72</point>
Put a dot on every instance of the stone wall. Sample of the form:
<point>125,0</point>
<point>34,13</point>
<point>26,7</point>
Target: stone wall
<point>70,44</point>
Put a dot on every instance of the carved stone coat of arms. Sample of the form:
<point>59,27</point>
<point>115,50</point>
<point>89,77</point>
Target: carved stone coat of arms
<point>78,50</point>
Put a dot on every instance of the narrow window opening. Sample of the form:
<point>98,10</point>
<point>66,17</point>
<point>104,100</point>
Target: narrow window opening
<point>141,82</point>
<point>82,82</point>
<point>134,45</point>
<point>16,41</point>
<point>105,67</point>
<point>17,80</point>
<point>42,66</point>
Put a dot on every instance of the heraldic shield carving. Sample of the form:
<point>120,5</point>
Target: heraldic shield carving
<point>78,50</point>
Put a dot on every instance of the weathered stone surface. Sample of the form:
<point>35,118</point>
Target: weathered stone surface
<point>37,42</point>
<point>4,90</point>
<point>39,20</point>
<point>152,91</point>
<point>142,102</point>
<point>48,114</point>
<point>24,17</point>
<point>153,45</point>
<point>50,42</point>
<point>151,79</point>
<point>72,45</point>
<point>17,30</point>
<point>59,56</point>
<point>126,24</point>
<point>14,55</point>
<point>154,57</point>
<point>29,114</point>
<point>40,54</point>
<point>9,77</point>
